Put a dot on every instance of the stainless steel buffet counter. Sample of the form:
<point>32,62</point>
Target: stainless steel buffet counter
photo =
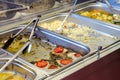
<point>108,37</point>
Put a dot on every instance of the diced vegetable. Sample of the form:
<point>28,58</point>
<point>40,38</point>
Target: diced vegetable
<point>77,54</point>
<point>65,61</point>
<point>59,49</point>
<point>52,67</point>
<point>42,63</point>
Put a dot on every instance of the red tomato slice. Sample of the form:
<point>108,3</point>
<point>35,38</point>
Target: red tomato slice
<point>42,63</point>
<point>59,49</point>
<point>52,67</point>
<point>65,61</point>
<point>77,54</point>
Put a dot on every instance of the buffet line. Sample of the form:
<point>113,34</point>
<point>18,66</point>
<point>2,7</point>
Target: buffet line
<point>91,32</point>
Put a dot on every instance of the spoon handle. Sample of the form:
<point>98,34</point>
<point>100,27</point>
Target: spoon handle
<point>109,5</point>
<point>61,26</point>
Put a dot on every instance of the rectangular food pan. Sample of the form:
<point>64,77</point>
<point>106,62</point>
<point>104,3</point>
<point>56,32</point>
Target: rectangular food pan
<point>47,47</point>
<point>83,30</point>
<point>16,68</point>
<point>100,12</point>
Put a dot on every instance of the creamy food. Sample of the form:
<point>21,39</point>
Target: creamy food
<point>81,33</point>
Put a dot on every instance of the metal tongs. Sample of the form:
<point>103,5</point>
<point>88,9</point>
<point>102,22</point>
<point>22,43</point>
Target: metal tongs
<point>9,41</point>
<point>24,47</point>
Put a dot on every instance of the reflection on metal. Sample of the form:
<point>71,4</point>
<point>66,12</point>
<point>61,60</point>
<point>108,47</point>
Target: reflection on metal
<point>98,51</point>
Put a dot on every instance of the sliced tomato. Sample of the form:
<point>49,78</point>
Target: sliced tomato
<point>77,54</point>
<point>65,61</point>
<point>42,63</point>
<point>52,67</point>
<point>59,49</point>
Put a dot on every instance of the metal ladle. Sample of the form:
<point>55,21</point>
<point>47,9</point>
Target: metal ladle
<point>115,16</point>
<point>60,29</point>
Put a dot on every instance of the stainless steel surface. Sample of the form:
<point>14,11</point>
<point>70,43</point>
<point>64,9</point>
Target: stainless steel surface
<point>57,40</point>
<point>46,8</point>
<point>115,15</point>
<point>11,39</point>
<point>20,68</point>
<point>3,53</point>
<point>100,30</point>
<point>86,62</point>
<point>117,1</point>
<point>67,16</point>
<point>36,72</point>
<point>28,70</point>
<point>29,47</point>
<point>13,57</point>
<point>101,6</point>
<point>7,8</point>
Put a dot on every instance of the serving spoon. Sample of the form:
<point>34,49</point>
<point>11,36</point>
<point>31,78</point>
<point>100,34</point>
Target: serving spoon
<point>60,28</point>
<point>115,16</point>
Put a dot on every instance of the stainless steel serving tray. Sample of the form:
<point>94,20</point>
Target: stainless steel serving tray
<point>115,3</point>
<point>98,5</point>
<point>20,68</point>
<point>55,39</point>
<point>103,30</point>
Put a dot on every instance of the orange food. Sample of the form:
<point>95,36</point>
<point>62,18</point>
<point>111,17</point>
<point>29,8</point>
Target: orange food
<point>42,63</point>
<point>59,49</point>
<point>77,54</point>
<point>65,61</point>
<point>52,67</point>
<point>11,76</point>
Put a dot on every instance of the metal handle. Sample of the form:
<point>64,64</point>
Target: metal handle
<point>98,51</point>
<point>72,9</point>
<point>11,59</point>
<point>28,42</point>
<point>109,5</point>
<point>23,28</point>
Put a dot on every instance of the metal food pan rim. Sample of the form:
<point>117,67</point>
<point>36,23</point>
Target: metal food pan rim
<point>51,33</point>
<point>64,14</point>
<point>97,5</point>
<point>26,61</point>
<point>21,65</point>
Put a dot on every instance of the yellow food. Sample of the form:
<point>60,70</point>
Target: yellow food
<point>36,50</point>
<point>10,76</point>
<point>98,14</point>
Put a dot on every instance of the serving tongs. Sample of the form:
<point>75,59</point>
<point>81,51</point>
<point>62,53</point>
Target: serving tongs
<point>60,28</point>
<point>24,47</point>
<point>116,16</point>
<point>10,40</point>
